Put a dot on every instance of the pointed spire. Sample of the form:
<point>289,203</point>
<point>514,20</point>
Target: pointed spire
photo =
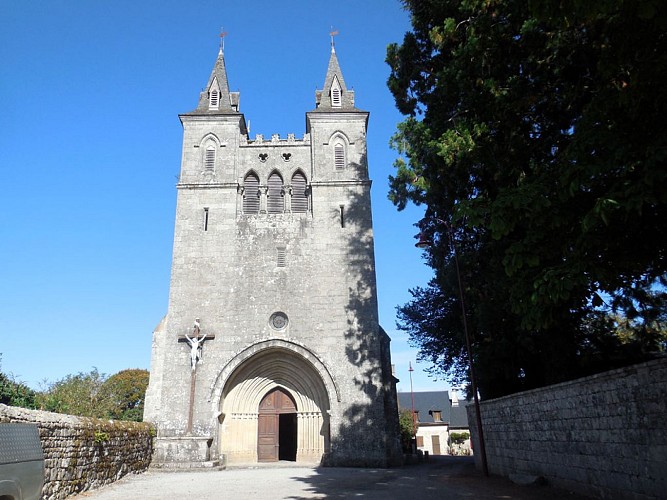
<point>334,95</point>
<point>216,96</point>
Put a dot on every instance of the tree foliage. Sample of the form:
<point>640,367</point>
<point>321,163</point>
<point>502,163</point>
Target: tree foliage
<point>126,391</point>
<point>408,426</point>
<point>78,394</point>
<point>120,396</point>
<point>534,135</point>
<point>15,393</point>
<point>458,437</point>
<point>93,394</point>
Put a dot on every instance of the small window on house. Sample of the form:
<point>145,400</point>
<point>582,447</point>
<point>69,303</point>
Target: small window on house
<point>276,200</point>
<point>299,194</point>
<point>209,158</point>
<point>339,156</point>
<point>336,94</point>
<point>251,194</point>
<point>420,441</point>
<point>437,416</point>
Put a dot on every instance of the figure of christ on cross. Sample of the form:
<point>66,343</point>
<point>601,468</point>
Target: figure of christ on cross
<point>195,341</point>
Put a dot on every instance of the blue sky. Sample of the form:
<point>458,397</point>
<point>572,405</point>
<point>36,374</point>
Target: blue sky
<point>90,148</point>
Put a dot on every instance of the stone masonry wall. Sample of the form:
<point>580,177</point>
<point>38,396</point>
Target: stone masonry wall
<point>82,453</point>
<point>604,435</point>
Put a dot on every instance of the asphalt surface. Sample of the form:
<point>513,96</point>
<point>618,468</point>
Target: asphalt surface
<point>441,477</point>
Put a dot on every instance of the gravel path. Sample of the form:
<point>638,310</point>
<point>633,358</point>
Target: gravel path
<point>441,477</point>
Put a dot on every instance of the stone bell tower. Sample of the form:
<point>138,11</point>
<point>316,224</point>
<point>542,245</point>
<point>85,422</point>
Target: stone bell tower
<point>271,347</point>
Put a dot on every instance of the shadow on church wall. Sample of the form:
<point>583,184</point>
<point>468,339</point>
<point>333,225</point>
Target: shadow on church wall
<point>367,435</point>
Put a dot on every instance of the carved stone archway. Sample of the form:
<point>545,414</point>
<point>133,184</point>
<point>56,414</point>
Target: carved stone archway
<point>250,381</point>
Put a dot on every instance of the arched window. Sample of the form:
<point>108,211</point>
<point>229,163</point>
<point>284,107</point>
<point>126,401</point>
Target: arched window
<point>339,156</point>
<point>275,201</point>
<point>251,194</point>
<point>214,98</point>
<point>209,157</point>
<point>299,194</point>
<point>336,93</point>
<point>214,95</point>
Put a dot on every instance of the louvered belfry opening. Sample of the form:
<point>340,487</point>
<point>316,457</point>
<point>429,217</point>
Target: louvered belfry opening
<point>299,194</point>
<point>209,160</point>
<point>214,98</point>
<point>339,156</point>
<point>336,94</point>
<point>335,97</point>
<point>251,194</point>
<point>275,200</point>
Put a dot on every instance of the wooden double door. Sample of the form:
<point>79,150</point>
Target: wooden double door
<point>277,427</point>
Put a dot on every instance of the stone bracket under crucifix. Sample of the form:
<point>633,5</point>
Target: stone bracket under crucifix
<point>196,341</point>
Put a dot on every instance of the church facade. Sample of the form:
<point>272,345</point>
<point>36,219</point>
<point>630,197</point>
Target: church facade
<point>271,348</point>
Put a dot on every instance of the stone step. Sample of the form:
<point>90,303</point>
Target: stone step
<point>183,466</point>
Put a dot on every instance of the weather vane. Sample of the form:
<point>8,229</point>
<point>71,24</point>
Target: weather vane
<point>332,33</point>
<point>223,34</point>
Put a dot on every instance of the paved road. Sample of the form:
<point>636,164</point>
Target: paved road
<point>441,477</point>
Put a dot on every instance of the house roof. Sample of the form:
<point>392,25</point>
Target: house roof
<point>455,416</point>
<point>426,402</point>
<point>459,417</point>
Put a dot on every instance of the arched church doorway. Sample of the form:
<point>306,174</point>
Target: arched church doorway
<point>276,427</point>
<point>300,431</point>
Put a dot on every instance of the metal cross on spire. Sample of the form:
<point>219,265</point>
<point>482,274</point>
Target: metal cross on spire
<point>332,34</point>
<point>223,34</point>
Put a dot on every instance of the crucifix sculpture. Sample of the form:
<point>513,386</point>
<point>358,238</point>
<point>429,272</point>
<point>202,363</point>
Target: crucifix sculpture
<point>196,342</point>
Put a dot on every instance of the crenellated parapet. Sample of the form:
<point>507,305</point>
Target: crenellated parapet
<point>275,140</point>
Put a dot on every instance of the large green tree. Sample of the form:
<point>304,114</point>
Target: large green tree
<point>126,391</point>
<point>534,136</point>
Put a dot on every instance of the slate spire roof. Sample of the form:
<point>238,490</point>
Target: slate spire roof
<point>227,102</point>
<point>327,99</point>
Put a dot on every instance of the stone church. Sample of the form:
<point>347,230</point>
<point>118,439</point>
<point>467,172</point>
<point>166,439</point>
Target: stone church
<point>271,347</point>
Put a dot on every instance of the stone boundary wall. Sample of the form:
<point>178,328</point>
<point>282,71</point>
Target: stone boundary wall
<point>82,453</point>
<point>603,436</point>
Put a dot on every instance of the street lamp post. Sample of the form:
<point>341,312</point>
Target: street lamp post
<point>424,243</point>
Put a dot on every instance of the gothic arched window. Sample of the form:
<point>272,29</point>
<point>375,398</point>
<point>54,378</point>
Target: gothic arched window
<point>209,157</point>
<point>336,93</point>
<point>339,156</point>
<point>299,194</point>
<point>275,202</point>
<point>214,95</point>
<point>251,194</point>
